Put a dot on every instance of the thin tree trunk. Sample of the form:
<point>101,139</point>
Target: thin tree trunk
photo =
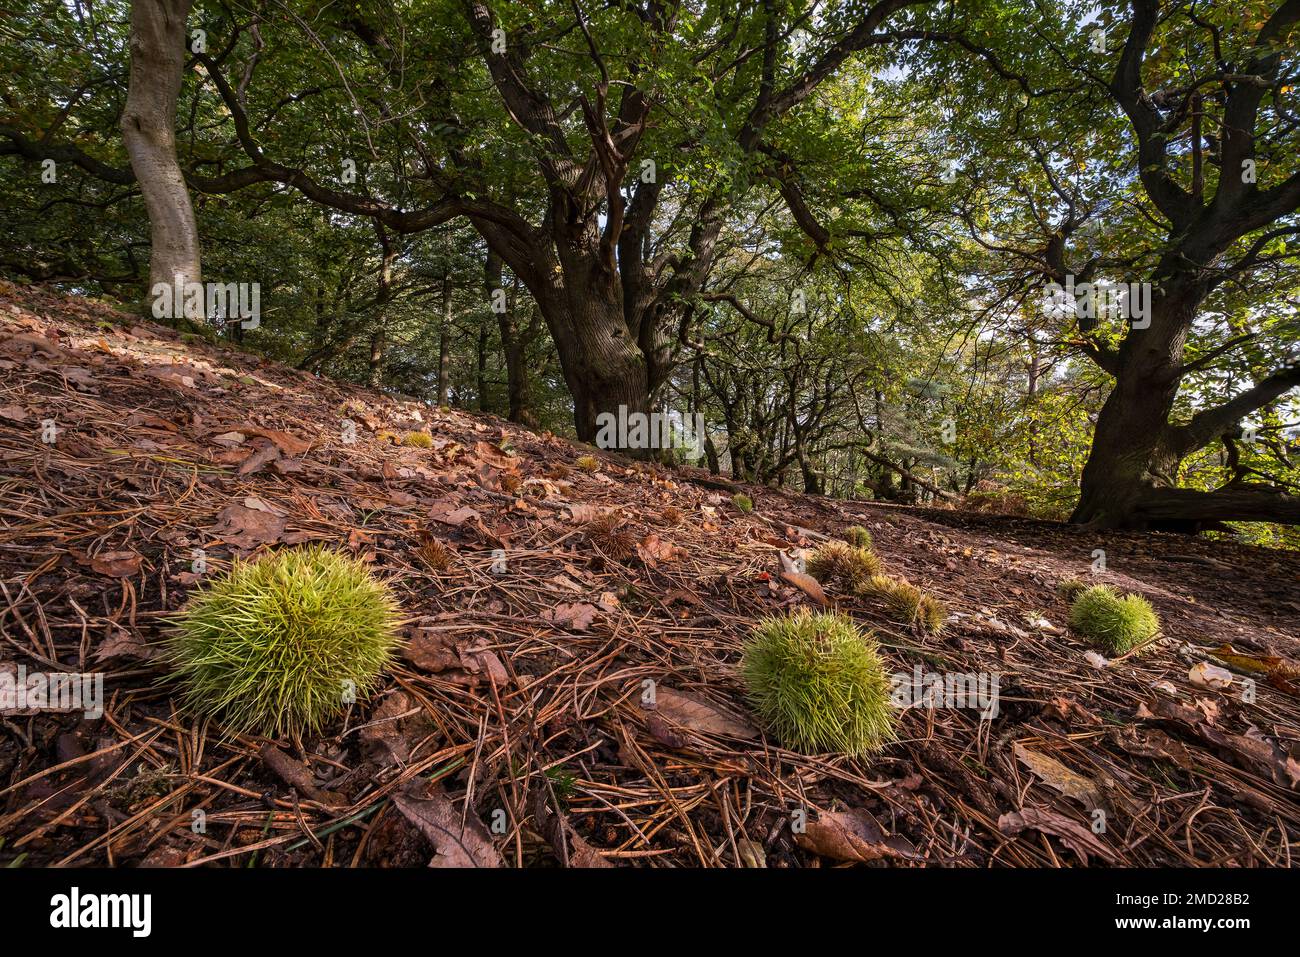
<point>149,132</point>
<point>481,368</point>
<point>444,386</point>
<point>375,370</point>
<point>379,337</point>
<point>514,343</point>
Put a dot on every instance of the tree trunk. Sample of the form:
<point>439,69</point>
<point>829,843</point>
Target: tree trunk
<point>518,392</point>
<point>444,385</point>
<point>603,368</point>
<point>481,368</point>
<point>149,132</point>
<point>514,343</point>
<point>375,371</point>
<point>1130,479</point>
<point>1128,456</point>
<point>379,337</point>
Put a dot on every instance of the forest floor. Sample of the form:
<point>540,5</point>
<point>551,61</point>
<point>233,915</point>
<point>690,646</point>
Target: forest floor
<point>516,728</point>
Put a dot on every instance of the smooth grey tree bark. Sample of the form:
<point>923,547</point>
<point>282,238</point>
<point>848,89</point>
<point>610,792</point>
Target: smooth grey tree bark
<point>149,131</point>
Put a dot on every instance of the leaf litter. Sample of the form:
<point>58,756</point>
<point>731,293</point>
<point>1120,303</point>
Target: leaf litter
<point>515,729</point>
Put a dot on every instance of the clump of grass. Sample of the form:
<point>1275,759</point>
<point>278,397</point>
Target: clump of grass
<point>392,438</point>
<point>276,646</point>
<point>905,603</point>
<point>1070,588</point>
<point>608,534</point>
<point>1118,623</point>
<point>818,683</point>
<point>418,440</point>
<point>839,563</point>
<point>743,502</point>
<point>857,536</point>
<point>588,463</point>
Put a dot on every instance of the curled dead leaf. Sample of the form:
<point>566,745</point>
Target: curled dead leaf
<point>117,564</point>
<point>855,836</point>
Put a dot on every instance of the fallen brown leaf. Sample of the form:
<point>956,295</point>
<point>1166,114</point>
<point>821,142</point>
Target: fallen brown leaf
<point>1074,835</point>
<point>575,616</point>
<point>457,842</point>
<point>855,836</point>
<point>698,714</point>
<point>1056,775</point>
<point>247,528</point>
<point>118,564</point>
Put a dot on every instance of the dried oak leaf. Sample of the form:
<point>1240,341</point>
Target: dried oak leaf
<point>1068,710</point>
<point>122,644</point>
<point>1251,751</point>
<point>582,512</point>
<point>382,736</point>
<point>1255,752</point>
<point>288,444</point>
<point>652,549</point>
<point>175,374</point>
<point>1153,743</point>
<point>464,661</point>
<point>575,616</point>
<point>153,422</point>
<point>449,511</point>
<point>495,457</point>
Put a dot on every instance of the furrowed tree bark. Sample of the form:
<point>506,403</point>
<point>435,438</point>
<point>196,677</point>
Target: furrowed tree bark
<point>149,131</point>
